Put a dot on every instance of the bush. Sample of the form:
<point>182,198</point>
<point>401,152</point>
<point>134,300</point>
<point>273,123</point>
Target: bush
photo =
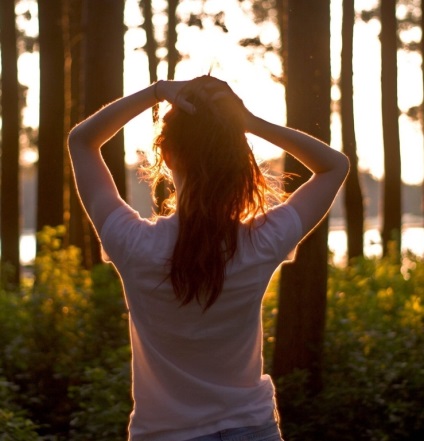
<point>64,371</point>
<point>14,424</point>
<point>269,316</point>
<point>68,323</point>
<point>374,358</point>
<point>105,401</point>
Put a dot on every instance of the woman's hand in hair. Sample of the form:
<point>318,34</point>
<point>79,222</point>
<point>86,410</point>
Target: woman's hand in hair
<point>173,92</point>
<point>207,88</point>
<point>219,92</point>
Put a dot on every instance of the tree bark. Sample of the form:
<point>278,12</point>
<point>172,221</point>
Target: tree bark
<point>422,103</point>
<point>162,190</point>
<point>79,231</point>
<point>9,196</point>
<point>392,206</point>
<point>303,285</point>
<point>173,54</point>
<point>353,201</point>
<point>51,128</point>
<point>103,21</point>
<point>151,45</point>
<point>282,8</point>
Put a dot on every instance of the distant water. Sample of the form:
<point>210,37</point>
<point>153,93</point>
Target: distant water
<point>27,248</point>
<point>412,239</point>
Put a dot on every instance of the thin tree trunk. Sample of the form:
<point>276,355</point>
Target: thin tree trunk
<point>51,130</point>
<point>353,195</point>
<point>9,196</point>
<point>422,103</point>
<point>392,207</point>
<point>67,187</point>
<point>103,78</point>
<point>172,38</point>
<point>79,228</point>
<point>151,45</point>
<point>282,19</point>
<point>303,285</point>
<point>162,190</point>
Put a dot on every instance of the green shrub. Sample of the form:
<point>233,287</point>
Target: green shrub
<point>14,427</point>
<point>64,370</point>
<point>14,424</point>
<point>105,402</point>
<point>269,316</point>
<point>54,331</point>
<point>374,358</point>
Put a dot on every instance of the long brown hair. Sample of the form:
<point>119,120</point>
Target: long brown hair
<point>223,186</point>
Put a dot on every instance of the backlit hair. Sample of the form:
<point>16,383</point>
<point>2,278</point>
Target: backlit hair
<point>222,186</point>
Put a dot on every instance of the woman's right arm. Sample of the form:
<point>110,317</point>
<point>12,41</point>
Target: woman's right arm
<point>329,168</point>
<point>95,184</point>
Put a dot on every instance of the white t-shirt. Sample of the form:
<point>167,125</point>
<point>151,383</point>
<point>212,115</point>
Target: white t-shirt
<point>196,372</point>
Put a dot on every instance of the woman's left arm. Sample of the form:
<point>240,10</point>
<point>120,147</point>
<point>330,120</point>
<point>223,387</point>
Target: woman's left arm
<point>94,182</point>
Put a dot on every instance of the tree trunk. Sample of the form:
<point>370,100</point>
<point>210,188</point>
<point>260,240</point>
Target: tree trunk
<point>78,226</point>
<point>422,103</point>
<point>392,207</point>
<point>51,129</point>
<point>162,190</point>
<point>66,31</point>
<point>9,196</point>
<point>172,38</point>
<point>151,45</point>
<point>103,77</point>
<point>282,8</point>
<point>303,285</point>
<point>353,195</point>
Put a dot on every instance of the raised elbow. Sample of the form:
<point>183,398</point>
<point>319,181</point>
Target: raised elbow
<point>73,138</point>
<point>77,139</point>
<point>345,165</point>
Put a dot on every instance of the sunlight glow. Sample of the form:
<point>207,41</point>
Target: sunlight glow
<point>29,75</point>
<point>250,75</point>
<point>202,49</point>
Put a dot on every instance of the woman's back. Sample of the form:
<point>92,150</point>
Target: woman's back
<point>188,363</point>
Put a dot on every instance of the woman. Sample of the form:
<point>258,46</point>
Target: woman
<point>194,280</point>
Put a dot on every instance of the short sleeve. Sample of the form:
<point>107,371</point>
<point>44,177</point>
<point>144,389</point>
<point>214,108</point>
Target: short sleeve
<point>120,232</point>
<point>279,233</point>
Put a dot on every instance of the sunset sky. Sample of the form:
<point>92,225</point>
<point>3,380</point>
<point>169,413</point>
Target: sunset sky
<point>251,79</point>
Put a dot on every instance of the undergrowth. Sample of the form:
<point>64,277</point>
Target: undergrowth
<point>64,368</point>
